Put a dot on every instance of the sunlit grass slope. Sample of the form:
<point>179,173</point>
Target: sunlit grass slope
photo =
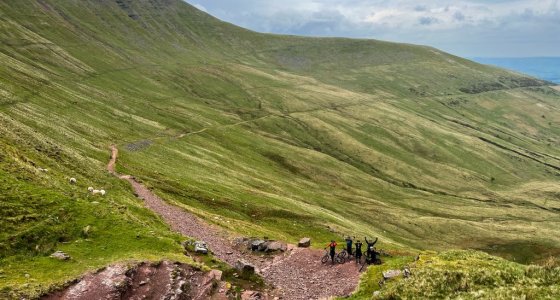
<point>275,135</point>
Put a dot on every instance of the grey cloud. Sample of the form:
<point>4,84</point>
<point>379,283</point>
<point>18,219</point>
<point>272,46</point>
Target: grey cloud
<point>465,27</point>
<point>428,21</point>
<point>459,16</point>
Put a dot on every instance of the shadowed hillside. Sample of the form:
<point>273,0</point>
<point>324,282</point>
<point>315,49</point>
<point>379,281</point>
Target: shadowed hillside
<point>268,135</point>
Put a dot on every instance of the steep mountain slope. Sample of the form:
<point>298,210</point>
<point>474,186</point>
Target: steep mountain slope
<point>276,135</point>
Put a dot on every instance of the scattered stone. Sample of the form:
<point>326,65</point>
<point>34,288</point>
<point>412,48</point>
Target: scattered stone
<point>406,272</point>
<point>376,293</point>
<point>229,253</point>
<point>60,255</point>
<point>304,243</point>
<point>391,274</point>
<point>251,295</point>
<point>276,246</point>
<point>245,267</point>
<point>200,247</point>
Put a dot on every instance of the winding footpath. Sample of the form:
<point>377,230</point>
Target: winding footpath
<point>296,274</point>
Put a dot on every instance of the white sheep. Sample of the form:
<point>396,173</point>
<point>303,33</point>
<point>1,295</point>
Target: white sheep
<point>95,192</point>
<point>102,192</point>
<point>73,180</point>
<point>90,189</point>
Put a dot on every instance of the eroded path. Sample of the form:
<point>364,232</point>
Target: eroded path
<point>296,274</point>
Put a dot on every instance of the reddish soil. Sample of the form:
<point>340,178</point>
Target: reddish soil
<point>145,281</point>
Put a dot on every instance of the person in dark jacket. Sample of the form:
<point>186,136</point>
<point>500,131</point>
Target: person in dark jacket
<point>332,247</point>
<point>358,252</point>
<point>349,242</point>
<point>370,251</point>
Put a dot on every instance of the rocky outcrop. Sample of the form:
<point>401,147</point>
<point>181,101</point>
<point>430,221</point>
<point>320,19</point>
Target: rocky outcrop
<point>245,268</point>
<point>304,243</point>
<point>165,280</point>
<point>275,246</point>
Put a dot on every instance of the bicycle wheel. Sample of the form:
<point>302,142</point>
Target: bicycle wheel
<point>325,258</point>
<point>339,260</point>
<point>342,256</point>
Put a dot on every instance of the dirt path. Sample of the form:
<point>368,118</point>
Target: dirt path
<point>296,274</point>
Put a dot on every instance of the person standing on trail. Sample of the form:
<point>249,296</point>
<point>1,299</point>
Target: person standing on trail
<point>358,252</point>
<point>369,250</point>
<point>349,242</point>
<point>332,247</point>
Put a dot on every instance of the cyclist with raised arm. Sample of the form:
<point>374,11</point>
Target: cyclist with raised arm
<point>370,252</point>
<point>332,250</point>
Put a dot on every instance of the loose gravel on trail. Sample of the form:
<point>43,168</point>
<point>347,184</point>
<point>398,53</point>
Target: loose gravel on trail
<point>295,274</point>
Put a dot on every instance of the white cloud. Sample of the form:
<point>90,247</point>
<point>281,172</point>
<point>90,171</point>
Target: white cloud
<point>200,6</point>
<point>465,27</point>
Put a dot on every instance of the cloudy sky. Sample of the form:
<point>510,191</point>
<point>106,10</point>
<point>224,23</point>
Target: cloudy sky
<point>494,28</point>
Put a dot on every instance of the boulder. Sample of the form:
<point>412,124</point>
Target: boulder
<point>263,246</point>
<point>391,274</point>
<point>245,267</point>
<point>304,243</point>
<point>215,274</point>
<point>60,255</point>
<point>276,246</point>
<point>257,245</point>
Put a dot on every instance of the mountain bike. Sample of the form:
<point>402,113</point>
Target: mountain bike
<point>337,258</point>
<point>369,261</point>
<point>345,256</point>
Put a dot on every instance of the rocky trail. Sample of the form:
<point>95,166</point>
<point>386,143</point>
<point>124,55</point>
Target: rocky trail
<point>295,274</point>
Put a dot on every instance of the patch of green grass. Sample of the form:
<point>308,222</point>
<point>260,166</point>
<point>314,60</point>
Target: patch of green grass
<point>473,275</point>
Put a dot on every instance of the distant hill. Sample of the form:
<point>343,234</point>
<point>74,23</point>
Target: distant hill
<point>546,68</point>
<point>265,135</point>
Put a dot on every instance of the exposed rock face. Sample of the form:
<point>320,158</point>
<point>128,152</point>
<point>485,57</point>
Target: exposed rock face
<point>275,246</point>
<point>304,243</point>
<point>257,245</point>
<point>165,280</point>
<point>245,267</point>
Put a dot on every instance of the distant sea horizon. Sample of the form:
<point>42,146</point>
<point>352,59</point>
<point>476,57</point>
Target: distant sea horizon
<point>546,68</point>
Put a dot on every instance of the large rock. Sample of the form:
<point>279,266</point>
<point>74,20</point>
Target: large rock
<point>258,245</point>
<point>275,246</point>
<point>60,255</point>
<point>304,243</point>
<point>389,274</point>
<point>244,267</point>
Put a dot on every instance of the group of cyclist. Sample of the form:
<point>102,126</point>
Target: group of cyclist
<point>371,253</point>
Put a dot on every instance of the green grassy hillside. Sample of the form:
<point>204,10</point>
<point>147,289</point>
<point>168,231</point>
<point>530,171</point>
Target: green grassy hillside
<point>278,135</point>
